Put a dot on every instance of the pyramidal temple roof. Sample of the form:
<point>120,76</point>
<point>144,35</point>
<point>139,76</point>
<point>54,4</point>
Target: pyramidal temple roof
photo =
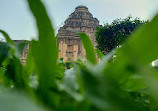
<point>80,20</point>
<point>81,17</point>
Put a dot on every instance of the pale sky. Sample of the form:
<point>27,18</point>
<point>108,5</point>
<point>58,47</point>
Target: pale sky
<point>18,22</point>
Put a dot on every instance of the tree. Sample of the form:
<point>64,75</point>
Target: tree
<point>113,35</point>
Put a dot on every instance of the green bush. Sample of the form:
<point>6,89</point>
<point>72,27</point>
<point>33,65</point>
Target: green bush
<point>115,34</point>
<point>69,64</point>
<point>126,83</point>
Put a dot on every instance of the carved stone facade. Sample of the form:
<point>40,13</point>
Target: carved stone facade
<point>70,46</point>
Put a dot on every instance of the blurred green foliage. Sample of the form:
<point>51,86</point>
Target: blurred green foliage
<point>124,80</point>
<point>115,34</point>
<point>69,64</point>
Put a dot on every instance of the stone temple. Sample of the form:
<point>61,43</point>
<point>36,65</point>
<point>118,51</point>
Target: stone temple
<point>70,46</point>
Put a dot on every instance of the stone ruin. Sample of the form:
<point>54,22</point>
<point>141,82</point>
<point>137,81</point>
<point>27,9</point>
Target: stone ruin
<point>70,46</point>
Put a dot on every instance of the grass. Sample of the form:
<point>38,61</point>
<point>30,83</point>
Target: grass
<point>126,83</point>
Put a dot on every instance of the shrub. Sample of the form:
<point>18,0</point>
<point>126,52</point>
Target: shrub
<point>128,83</point>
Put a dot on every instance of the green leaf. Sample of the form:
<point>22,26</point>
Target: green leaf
<point>19,47</point>
<point>138,52</point>
<point>4,51</point>
<point>144,43</point>
<point>30,63</point>
<point>17,101</point>
<point>99,53</point>
<point>89,48</point>
<point>70,85</point>
<point>14,69</point>
<point>135,57</point>
<point>134,83</point>
<point>105,93</point>
<point>7,37</point>
<point>45,54</point>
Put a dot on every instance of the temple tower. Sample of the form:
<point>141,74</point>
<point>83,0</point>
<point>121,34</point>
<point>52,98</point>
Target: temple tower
<point>81,20</point>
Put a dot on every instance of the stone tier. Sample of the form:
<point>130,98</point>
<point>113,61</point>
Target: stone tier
<point>81,20</point>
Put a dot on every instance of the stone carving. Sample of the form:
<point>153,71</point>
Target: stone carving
<point>70,46</point>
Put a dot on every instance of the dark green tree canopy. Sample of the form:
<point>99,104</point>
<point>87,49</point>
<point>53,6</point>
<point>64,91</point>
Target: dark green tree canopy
<point>112,35</point>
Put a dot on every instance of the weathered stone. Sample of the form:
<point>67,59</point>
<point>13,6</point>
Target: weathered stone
<point>70,46</point>
<point>81,20</point>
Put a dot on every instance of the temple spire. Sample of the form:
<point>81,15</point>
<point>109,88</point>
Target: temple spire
<point>81,20</point>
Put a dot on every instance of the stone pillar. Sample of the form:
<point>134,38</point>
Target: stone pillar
<point>75,52</point>
<point>62,50</point>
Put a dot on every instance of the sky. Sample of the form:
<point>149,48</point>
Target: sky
<point>17,20</point>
